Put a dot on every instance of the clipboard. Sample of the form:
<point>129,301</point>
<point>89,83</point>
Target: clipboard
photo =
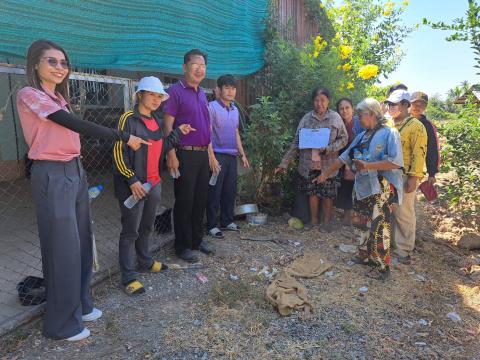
<point>314,138</point>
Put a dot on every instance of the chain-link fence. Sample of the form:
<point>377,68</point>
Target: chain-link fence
<point>97,98</point>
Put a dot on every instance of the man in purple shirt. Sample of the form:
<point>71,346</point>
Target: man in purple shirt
<point>226,145</point>
<point>189,162</point>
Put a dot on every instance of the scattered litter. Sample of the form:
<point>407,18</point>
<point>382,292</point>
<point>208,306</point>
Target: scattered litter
<point>257,219</point>
<point>202,278</point>
<point>350,249</point>
<point>295,223</point>
<point>454,316</point>
<point>423,322</point>
<point>223,269</point>
<point>294,243</point>
<point>363,290</point>
<point>422,334</point>
<point>233,277</point>
<point>421,278</point>
<point>253,269</point>
<point>350,263</point>
<point>128,346</point>
<point>408,324</point>
<point>174,266</point>
<point>197,322</point>
<point>472,332</point>
<point>267,273</point>
<point>150,288</point>
<point>420,343</point>
<point>329,273</point>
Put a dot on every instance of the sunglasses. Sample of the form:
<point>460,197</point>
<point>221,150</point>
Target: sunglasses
<point>53,62</point>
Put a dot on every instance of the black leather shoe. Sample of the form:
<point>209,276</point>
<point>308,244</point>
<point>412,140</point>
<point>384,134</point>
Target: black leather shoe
<point>188,255</point>
<point>206,249</point>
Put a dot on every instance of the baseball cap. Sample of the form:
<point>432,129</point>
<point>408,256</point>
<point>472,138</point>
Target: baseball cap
<point>419,96</point>
<point>152,84</point>
<point>398,96</point>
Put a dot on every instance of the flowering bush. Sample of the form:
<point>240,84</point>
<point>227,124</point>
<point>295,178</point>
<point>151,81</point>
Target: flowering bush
<point>354,47</point>
<point>368,71</point>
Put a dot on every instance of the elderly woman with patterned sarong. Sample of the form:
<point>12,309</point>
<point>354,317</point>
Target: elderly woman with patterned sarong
<point>313,162</point>
<point>375,156</point>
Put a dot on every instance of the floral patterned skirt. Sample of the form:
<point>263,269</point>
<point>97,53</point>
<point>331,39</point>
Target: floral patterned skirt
<point>371,222</point>
<point>326,190</point>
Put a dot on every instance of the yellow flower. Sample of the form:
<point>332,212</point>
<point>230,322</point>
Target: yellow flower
<point>388,8</point>
<point>350,85</point>
<point>318,45</point>
<point>345,51</point>
<point>405,3</point>
<point>322,6</point>
<point>339,67</point>
<point>368,71</point>
<point>347,67</point>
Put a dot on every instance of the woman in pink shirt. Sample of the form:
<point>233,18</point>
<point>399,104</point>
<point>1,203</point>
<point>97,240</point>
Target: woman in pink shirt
<point>60,190</point>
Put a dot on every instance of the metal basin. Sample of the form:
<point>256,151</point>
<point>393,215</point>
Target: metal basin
<point>246,209</point>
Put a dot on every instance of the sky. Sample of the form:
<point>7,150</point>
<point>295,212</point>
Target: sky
<point>432,64</point>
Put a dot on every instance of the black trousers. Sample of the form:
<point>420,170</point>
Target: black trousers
<point>191,190</point>
<point>137,228</point>
<point>223,194</point>
<point>60,193</point>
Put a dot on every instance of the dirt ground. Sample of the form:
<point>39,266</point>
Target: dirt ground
<point>228,318</point>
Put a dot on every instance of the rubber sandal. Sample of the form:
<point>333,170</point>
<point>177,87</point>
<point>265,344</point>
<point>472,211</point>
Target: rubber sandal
<point>231,227</point>
<point>216,233</point>
<point>157,267</point>
<point>134,288</point>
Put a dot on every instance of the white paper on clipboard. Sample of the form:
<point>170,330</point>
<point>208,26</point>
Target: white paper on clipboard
<point>314,138</point>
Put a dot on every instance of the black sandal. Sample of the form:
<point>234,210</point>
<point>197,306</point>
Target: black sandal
<point>361,261</point>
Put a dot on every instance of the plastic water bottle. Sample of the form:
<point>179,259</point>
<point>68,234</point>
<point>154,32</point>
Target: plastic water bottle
<point>357,155</point>
<point>95,191</point>
<point>175,174</point>
<point>131,201</point>
<point>214,177</point>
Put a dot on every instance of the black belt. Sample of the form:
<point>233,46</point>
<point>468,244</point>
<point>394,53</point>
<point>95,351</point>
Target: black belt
<point>193,148</point>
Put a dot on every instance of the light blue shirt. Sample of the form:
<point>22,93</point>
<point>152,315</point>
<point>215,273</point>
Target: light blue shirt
<point>385,145</point>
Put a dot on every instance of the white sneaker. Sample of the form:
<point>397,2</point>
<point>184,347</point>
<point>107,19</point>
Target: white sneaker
<point>83,335</point>
<point>94,315</point>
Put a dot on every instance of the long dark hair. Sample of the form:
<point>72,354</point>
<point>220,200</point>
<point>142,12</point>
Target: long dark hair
<point>337,105</point>
<point>34,55</point>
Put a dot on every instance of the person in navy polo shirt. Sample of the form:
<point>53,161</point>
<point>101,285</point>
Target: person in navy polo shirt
<point>190,163</point>
<point>227,146</point>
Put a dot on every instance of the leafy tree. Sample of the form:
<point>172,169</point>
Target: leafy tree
<point>464,29</point>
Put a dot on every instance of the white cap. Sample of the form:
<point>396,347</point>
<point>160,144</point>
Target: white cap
<point>398,95</point>
<point>152,84</point>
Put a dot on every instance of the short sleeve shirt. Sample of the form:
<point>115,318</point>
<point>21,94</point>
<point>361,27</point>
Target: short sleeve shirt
<point>189,106</point>
<point>46,139</point>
